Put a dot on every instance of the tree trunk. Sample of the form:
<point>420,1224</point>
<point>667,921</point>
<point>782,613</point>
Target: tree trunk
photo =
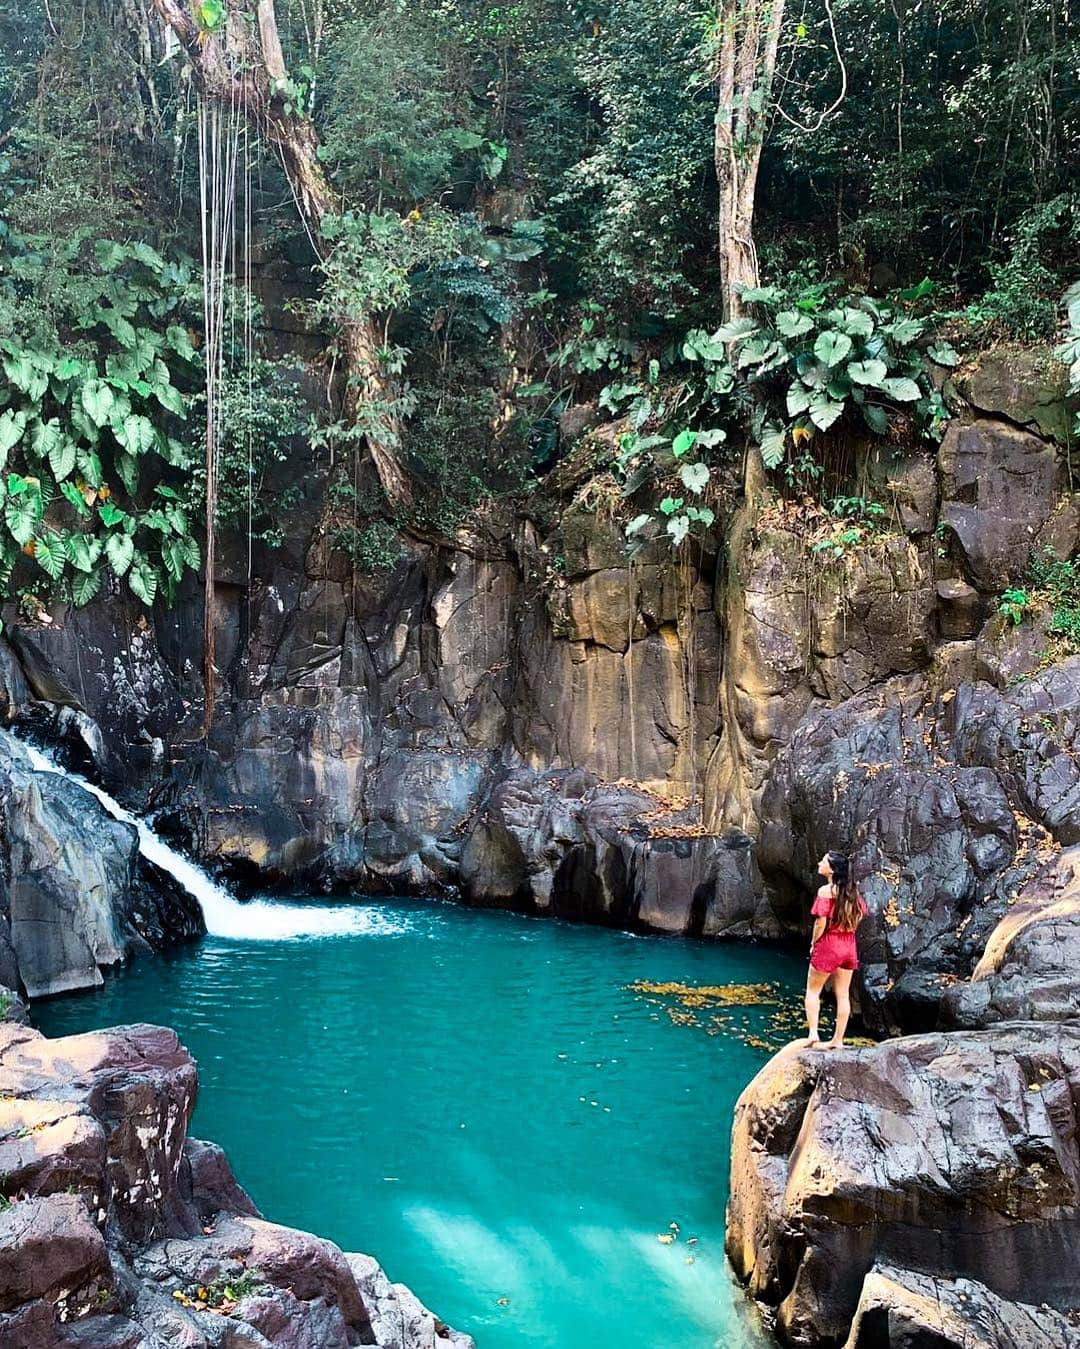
<point>248,84</point>
<point>744,63</point>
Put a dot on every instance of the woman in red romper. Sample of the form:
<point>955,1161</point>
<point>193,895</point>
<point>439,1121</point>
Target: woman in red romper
<point>838,910</point>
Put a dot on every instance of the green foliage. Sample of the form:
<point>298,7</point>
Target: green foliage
<point>1021,299</point>
<point>1068,351</point>
<point>386,116</point>
<point>1014,605</point>
<point>91,416</point>
<point>637,202</point>
<point>804,363</point>
<point>374,547</point>
<point>1057,583</point>
<point>263,421</point>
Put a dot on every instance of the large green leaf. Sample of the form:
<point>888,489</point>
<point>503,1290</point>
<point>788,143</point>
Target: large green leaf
<point>871,373</point>
<point>62,458</point>
<point>735,330</point>
<point>876,418</point>
<point>143,580</point>
<point>823,411</point>
<point>109,254</point>
<point>857,323</point>
<point>12,425</point>
<point>85,585</point>
<point>98,401</point>
<point>75,497</point>
<point>128,468</point>
<point>29,372</point>
<point>135,433</point>
<point>45,437</point>
<point>90,467</point>
<point>694,477</point>
<point>684,441</point>
<point>83,550</point>
<point>790,323</point>
<point>773,439</point>
<point>902,390</point>
<point>798,399</point>
<point>50,555</point>
<point>120,327</point>
<point>943,353</point>
<point>678,527</point>
<point>180,340</point>
<point>192,555</point>
<point>904,331</point>
<point>174,557</point>
<point>832,347</point>
<point>120,551</point>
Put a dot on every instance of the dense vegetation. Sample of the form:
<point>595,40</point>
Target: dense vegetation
<point>520,210</point>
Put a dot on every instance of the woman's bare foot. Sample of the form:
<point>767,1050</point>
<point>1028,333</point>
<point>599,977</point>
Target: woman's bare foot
<point>832,1044</point>
<point>811,1042</point>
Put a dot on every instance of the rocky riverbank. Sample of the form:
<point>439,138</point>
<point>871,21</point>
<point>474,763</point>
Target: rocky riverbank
<point>520,717</point>
<point>118,1231</point>
<point>927,1190</point>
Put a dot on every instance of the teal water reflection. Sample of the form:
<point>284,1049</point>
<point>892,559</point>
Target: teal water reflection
<point>483,1102</point>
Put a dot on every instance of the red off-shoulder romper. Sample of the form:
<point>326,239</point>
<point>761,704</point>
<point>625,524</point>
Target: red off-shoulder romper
<point>834,949</point>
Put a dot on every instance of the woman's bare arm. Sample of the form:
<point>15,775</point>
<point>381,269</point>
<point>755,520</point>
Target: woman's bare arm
<point>818,932</point>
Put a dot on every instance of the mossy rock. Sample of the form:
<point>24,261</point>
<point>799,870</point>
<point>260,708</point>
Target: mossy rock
<point>1025,384</point>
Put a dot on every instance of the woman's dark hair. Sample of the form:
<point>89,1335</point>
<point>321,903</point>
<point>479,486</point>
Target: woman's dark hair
<point>847,909</point>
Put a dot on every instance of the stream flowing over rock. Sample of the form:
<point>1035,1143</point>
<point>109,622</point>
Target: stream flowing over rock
<point>127,1234</point>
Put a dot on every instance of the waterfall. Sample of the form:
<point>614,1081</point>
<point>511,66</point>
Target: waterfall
<point>226,916</point>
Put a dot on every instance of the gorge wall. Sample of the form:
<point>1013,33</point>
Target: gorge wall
<point>524,718</point>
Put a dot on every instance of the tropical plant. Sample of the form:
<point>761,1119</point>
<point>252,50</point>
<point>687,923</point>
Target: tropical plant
<point>95,355</point>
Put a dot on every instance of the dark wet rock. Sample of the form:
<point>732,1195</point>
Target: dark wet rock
<point>602,853</point>
<point>75,895</point>
<point>1030,967</point>
<point>397,1316</point>
<point>952,1154</point>
<point>951,801</point>
<point>1000,486</point>
<point>907,1310</point>
<point>934,842</point>
<point>124,1233</point>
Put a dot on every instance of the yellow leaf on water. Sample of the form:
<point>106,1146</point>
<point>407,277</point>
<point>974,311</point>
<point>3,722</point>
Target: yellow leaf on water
<point>665,1238</point>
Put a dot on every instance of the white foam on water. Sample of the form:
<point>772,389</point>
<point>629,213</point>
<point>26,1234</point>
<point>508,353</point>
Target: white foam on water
<point>226,916</point>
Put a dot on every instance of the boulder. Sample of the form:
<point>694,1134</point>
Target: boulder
<point>398,1318</point>
<point>51,1249</point>
<point>1030,967</point>
<point>605,853</point>
<point>954,1154</point>
<point>128,1235</point>
<point>75,895</point>
<point>1023,383</point>
<point>1000,486</point>
<point>907,1310</point>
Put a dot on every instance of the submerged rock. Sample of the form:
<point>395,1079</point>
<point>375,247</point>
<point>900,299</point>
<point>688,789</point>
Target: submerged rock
<point>953,1154</point>
<point>120,1232</point>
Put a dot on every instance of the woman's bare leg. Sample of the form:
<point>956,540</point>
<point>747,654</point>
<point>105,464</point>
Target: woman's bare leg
<point>815,982</point>
<point>842,990</point>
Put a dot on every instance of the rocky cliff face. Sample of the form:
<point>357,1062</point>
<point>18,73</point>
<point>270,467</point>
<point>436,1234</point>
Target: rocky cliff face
<point>521,716</point>
<point>121,1232</point>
